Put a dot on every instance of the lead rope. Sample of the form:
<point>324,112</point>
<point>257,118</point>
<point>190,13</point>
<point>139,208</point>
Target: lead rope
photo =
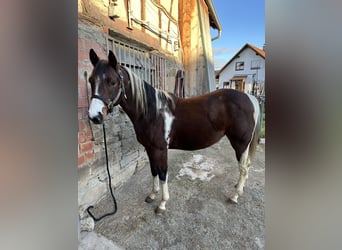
<point>86,83</point>
<point>109,183</point>
<point>107,165</point>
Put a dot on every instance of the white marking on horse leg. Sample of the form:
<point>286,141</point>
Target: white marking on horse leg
<point>234,198</point>
<point>156,184</point>
<point>155,187</point>
<point>249,161</point>
<point>96,107</point>
<point>243,167</point>
<point>168,119</point>
<point>165,196</point>
<point>248,166</point>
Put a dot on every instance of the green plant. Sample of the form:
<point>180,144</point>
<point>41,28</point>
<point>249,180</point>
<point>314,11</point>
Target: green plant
<point>262,130</point>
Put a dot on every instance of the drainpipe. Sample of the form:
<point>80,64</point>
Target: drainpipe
<point>218,35</point>
<point>217,23</point>
<point>129,15</point>
<point>203,42</point>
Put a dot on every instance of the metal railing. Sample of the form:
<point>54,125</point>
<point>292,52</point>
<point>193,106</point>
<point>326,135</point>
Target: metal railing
<point>147,65</point>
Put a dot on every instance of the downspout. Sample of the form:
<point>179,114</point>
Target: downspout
<point>203,42</point>
<point>215,18</point>
<point>218,35</point>
<point>129,15</point>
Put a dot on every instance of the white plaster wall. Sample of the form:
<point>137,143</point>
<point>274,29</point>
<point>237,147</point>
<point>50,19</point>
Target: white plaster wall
<point>246,56</point>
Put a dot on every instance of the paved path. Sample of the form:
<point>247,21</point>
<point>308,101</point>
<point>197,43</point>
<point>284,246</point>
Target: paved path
<point>198,215</point>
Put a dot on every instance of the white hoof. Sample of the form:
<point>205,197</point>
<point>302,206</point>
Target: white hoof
<point>234,199</point>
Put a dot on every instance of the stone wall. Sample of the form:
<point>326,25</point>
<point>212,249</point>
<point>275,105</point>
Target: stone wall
<point>124,152</point>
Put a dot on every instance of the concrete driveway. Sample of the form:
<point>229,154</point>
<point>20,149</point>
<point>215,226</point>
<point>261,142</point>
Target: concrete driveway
<point>198,215</point>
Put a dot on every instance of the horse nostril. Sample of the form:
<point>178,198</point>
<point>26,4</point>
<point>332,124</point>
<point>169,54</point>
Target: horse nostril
<point>97,119</point>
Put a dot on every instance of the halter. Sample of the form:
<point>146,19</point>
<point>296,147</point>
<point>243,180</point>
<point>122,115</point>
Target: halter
<point>110,103</point>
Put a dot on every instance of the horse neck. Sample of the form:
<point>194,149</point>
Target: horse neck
<point>129,104</point>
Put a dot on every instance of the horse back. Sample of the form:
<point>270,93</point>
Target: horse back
<point>203,120</point>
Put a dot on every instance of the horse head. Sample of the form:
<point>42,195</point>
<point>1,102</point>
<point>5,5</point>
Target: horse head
<point>107,87</point>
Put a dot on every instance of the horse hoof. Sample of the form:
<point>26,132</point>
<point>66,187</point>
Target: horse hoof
<point>148,199</point>
<point>160,211</point>
<point>232,201</point>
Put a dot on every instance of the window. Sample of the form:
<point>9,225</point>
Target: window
<point>149,66</point>
<point>239,65</point>
<point>255,64</point>
<point>226,84</point>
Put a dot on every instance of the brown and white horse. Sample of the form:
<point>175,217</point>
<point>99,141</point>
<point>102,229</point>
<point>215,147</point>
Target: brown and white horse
<point>162,121</point>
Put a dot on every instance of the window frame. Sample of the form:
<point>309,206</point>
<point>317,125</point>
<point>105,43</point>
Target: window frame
<point>239,66</point>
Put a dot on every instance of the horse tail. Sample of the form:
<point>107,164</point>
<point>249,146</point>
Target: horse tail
<point>256,133</point>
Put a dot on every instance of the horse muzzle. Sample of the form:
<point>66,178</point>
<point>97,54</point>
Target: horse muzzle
<point>98,119</point>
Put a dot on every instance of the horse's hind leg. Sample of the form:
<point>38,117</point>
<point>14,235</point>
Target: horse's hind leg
<point>244,163</point>
<point>248,165</point>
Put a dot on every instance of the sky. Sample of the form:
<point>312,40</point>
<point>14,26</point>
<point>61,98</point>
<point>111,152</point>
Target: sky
<point>242,21</point>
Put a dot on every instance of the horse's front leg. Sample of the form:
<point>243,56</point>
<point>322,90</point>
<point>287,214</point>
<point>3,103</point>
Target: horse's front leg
<point>158,163</point>
<point>155,189</point>
<point>165,193</point>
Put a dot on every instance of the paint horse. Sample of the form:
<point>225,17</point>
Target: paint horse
<point>162,121</point>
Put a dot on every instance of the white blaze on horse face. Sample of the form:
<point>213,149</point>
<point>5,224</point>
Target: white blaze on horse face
<point>96,107</point>
<point>97,85</point>
<point>168,119</point>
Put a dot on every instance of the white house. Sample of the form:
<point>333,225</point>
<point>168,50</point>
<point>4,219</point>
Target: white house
<point>245,71</point>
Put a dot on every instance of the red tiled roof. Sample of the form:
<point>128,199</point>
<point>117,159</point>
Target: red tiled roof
<point>257,50</point>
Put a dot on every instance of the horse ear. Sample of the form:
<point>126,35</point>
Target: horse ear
<point>112,59</point>
<point>93,57</point>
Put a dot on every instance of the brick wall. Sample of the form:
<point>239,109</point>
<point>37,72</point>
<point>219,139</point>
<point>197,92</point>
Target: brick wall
<point>85,140</point>
<point>124,152</point>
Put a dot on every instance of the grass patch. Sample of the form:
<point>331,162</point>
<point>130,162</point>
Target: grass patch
<point>262,131</point>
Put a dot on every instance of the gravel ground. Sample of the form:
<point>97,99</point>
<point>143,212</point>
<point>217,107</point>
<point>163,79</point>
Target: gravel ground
<point>198,215</point>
